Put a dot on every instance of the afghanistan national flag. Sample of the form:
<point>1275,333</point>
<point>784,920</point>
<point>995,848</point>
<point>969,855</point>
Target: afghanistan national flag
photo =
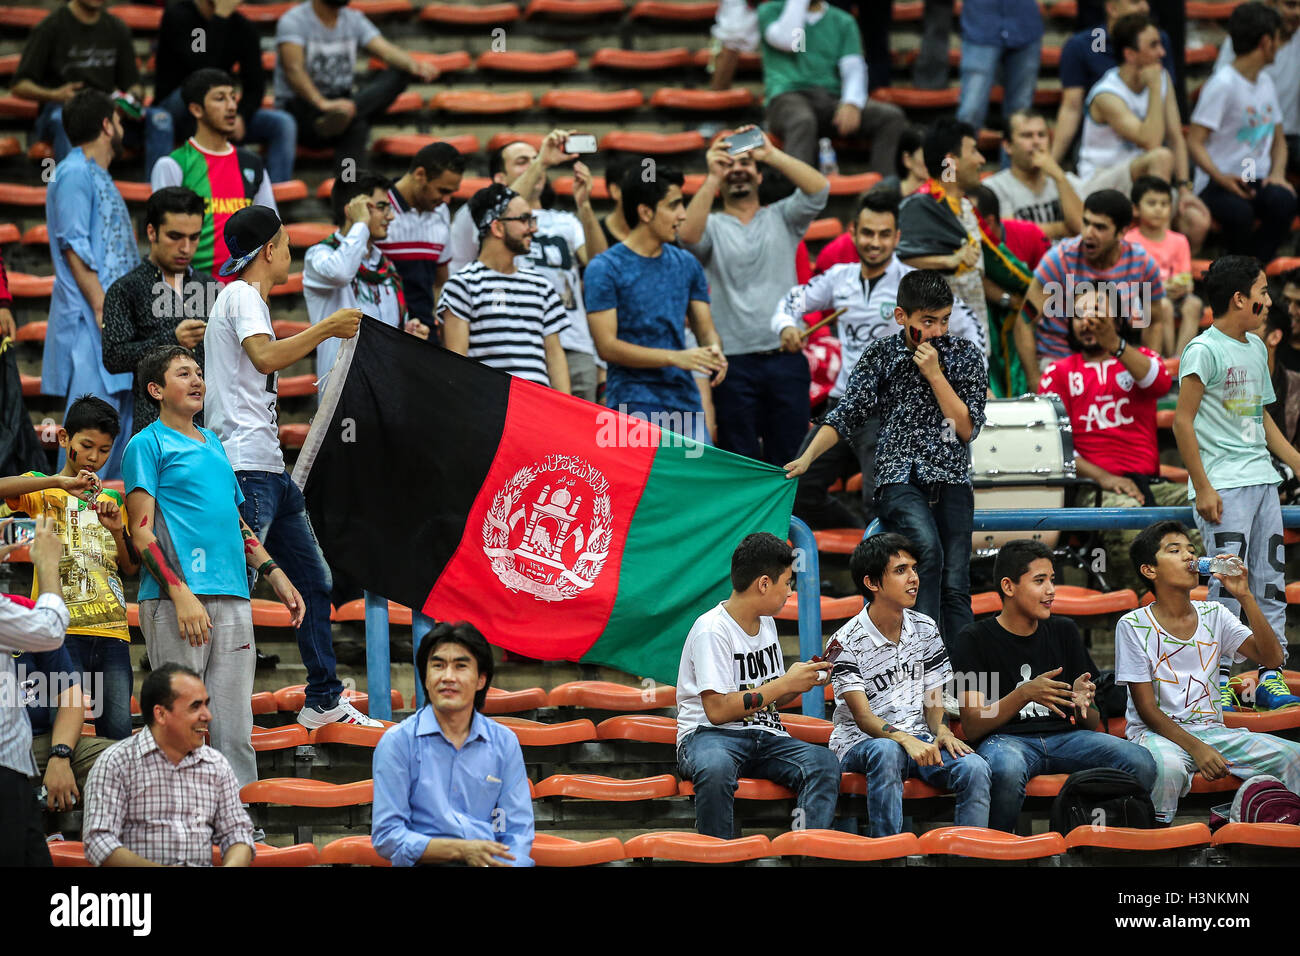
<point>563,530</point>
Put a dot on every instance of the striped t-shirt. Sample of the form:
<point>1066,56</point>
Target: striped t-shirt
<point>509,317</point>
<point>1132,285</point>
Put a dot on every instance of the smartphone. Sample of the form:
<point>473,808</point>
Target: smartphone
<point>738,143</point>
<point>19,530</point>
<point>833,650</point>
<point>580,143</point>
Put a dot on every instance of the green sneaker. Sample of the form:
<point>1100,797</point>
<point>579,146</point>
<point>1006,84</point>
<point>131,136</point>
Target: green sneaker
<point>1229,703</point>
<point>1273,694</point>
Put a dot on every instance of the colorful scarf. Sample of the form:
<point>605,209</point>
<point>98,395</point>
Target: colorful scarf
<point>368,282</point>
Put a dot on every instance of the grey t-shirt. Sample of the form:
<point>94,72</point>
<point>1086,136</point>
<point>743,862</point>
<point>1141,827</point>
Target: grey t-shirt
<point>1018,201</point>
<point>751,267</point>
<point>331,55</point>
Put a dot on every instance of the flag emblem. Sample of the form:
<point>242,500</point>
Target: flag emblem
<point>549,528</point>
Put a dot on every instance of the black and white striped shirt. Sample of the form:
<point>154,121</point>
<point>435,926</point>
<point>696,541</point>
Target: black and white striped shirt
<point>509,317</point>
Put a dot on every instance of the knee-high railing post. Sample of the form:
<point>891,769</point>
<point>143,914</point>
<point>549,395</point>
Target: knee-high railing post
<point>378,674</point>
<point>807,576</point>
<point>421,624</point>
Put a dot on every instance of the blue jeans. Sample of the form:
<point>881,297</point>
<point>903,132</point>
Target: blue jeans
<point>937,520</point>
<point>274,508</point>
<point>764,396</point>
<point>274,129</point>
<point>714,759</point>
<point>979,74</point>
<point>886,765</point>
<point>1014,758</point>
<point>107,659</point>
<point>155,131</point>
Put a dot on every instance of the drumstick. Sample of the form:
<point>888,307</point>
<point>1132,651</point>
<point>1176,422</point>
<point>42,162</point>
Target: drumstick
<point>823,323</point>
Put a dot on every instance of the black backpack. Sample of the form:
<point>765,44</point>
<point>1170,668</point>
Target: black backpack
<point>1102,797</point>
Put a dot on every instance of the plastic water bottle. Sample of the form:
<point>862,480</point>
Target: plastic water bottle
<point>826,158</point>
<point>1228,564</point>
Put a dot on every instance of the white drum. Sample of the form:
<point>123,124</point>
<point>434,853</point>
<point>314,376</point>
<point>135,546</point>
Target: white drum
<point>1025,443</point>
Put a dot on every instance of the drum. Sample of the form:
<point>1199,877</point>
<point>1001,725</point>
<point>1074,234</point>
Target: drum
<point>1022,459</point>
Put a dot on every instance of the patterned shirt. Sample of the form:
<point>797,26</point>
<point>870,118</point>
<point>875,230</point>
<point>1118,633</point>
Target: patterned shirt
<point>896,677</point>
<point>23,627</point>
<point>167,813</point>
<point>916,441</point>
<point>141,312</point>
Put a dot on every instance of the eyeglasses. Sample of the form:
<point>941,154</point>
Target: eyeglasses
<point>526,220</point>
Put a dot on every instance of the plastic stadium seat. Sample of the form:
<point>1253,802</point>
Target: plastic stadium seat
<point>849,847</point>
<point>1205,53</point>
<point>1280,265</point>
<point>270,614</point>
<point>12,194</point>
<point>643,728</point>
<point>1279,835</point>
<point>985,602</point>
<point>833,609</point>
<point>1264,722</point>
<point>837,540</point>
<point>283,328</point>
<point>9,147</point>
<point>355,610</point>
<point>462,14</point>
<point>1080,602</point>
<point>990,844</point>
<point>263,702</point>
<point>304,792</point>
<point>9,234</point>
<point>696,848</point>
<point>9,64</point>
<point>513,701</point>
<point>573,9</point>
<point>264,12</point>
<point>292,698</point>
<point>701,101</point>
<point>300,854</point>
<point>914,788</point>
<point>531,733</point>
<point>138,17</point>
<point>351,851</point>
<point>592,101</point>
<point>382,8</point>
<point>133,192</point>
<point>1063,10</point>
<point>1165,418</point>
<point>500,140</point>
<point>609,58</point>
<point>852,185</point>
<point>605,695</point>
<point>812,730</point>
<point>351,735</point>
<point>907,12</point>
<point>747,788</point>
<point>627,141</point>
<point>588,786</point>
<point>408,144</point>
<point>17,108</point>
<point>1045,784</point>
<point>691,11</point>
<point>748,63</point>
<point>293,434</point>
<point>407,102</point>
<point>551,61</point>
<point>23,286</point>
<point>22,17</point>
<point>303,235</point>
<point>296,386</point>
<point>1209,11</point>
<point>913,99</point>
<point>445,62</point>
<point>68,853</point>
<point>1130,838</point>
<point>291,190</point>
<point>1228,784</point>
<point>563,185</point>
<point>824,229</point>
<point>31,384</point>
<point>481,102</point>
<point>285,737</point>
<point>549,850</point>
<point>1173,473</point>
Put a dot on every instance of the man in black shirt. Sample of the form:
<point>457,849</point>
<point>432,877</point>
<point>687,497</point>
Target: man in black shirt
<point>1024,684</point>
<point>209,34</point>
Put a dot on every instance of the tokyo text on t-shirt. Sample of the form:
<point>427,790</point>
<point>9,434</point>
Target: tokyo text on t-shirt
<point>896,677</point>
<point>988,658</point>
<point>1184,675</point>
<point>719,656</point>
<point>1113,416</point>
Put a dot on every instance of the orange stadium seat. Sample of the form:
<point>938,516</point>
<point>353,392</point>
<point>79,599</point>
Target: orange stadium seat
<point>355,610</point>
<point>13,194</point>
<point>690,11</point>
<point>9,147</point>
<point>17,108</point>
<point>696,848</point>
<point>9,64</point>
<point>462,14</point>
<point>66,853</point>
<point>1209,11</point>
<point>294,434</point>
<point>914,788</point>
<point>551,61</point>
<point>643,728</point>
<point>408,144</point>
<point>824,229</point>
<point>264,12</point>
<point>587,786</point>
<point>22,17</point>
<point>303,235</point>
<point>697,101</point>
<point>605,695</point>
<point>133,192</point>
<point>407,102</point>
<point>263,702</point>
<point>1063,10</point>
<point>300,854</point>
<point>469,185</point>
<point>563,186</point>
<point>631,141</point>
<point>1280,265</point>
<point>573,9</point>
<point>291,190</point>
<point>285,737</point>
<point>747,788</point>
<point>837,540</point>
<point>31,384</point>
<point>37,236</point>
<point>481,102</point>
<point>284,328</point>
<point>351,851</point>
<point>907,12</point>
<point>505,139</point>
<point>551,850</point>
<point>531,733</point>
<point>445,62</point>
<point>1080,602</point>
<point>748,63</point>
<point>833,609</point>
<point>1276,835</point>
<point>591,101</point>
<point>609,58</point>
<point>382,8</point>
<point>910,98</point>
<point>852,185</point>
<point>985,602</point>
<point>305,792</point>
<point>296,386</point>
<point>352,735</point>
<point>9,234</point>
<point>513,701</point>
<point>139,18</point>
<point>992,845</point>
<point>1264,722</point>
<point>1129,838</point>
<point>23,286</point>
<point>812,730</point>
<point>847,847</point>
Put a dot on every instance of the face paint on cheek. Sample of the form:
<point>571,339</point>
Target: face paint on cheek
<point>144,521</point>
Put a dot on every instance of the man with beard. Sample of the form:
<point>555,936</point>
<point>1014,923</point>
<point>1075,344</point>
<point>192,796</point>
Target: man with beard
<point>748,254</point>
<point>227,177</point>
<point>1121,269</point>
<point>867,291</point>
<point>92,245</point>
<point>1288,352</point>
<point>506,317</point>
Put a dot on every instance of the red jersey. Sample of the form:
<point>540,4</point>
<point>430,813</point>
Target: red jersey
<point>1113,416</point>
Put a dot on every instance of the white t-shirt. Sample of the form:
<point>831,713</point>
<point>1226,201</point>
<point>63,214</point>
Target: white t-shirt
<point>1240,116</point>
<point>895,677</point>
<point>1101,146</point>
<point>719,656</point>
<point>1018,201</point>
<point>330,55</point>
<point>1183,674</point>
<point>464,240</point>
<point>240,402</point>
<point>1284,71</point>
<point>554,254</point>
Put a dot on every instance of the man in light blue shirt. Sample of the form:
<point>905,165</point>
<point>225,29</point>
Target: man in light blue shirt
<point>450,786</point>
<point>92,245</point>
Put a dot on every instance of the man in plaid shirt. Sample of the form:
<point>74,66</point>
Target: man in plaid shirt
<point>140,786</point>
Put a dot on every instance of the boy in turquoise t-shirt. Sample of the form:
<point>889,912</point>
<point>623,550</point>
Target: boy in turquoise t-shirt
<point>1224,437</point>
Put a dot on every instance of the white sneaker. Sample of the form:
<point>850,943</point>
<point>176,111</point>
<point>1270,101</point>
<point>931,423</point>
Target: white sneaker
<point>342,713</point>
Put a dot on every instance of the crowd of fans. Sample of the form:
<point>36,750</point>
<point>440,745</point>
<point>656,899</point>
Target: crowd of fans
<point>948,289</point>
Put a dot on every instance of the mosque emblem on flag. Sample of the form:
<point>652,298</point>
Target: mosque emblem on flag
<point>548,530</point>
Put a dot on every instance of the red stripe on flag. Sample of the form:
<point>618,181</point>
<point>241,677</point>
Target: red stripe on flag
<point>538,568</point>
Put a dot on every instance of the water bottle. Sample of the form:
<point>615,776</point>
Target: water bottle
<point>826,158</point>
<point>1228,564</point>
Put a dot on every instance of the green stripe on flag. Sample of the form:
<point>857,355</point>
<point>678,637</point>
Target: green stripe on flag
<point>693,512</point>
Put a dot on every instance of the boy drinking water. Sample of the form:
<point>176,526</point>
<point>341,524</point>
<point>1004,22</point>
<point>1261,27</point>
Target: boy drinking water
<point>89,521</point>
